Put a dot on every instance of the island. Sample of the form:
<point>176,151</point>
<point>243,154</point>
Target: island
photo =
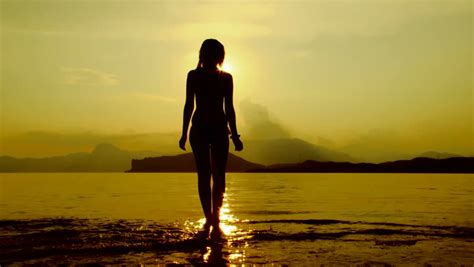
<point>185,163</point>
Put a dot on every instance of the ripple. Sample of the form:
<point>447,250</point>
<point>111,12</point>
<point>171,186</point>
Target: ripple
<point>46,238</point>
<point>273,212</point>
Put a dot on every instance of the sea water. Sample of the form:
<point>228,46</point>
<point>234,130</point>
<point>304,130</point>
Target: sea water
<point>267,218</point>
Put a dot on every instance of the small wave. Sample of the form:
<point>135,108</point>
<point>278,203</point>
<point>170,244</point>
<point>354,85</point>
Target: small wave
<point>307,221</point>
<point>426,188</point>
<point>274,212</point>
<point>329,221</point>
<point>273,235</point>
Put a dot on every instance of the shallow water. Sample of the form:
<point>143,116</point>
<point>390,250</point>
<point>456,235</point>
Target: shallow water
<point>297,219</point>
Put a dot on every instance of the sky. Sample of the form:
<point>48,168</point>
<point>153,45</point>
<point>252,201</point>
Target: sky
<point>364,77</point>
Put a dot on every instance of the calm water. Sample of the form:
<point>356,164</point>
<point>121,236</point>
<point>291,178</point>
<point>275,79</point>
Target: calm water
<point>297,219</point>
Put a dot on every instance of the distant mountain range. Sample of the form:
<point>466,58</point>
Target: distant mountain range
<point>296,154</point>
<point>267,149</point>
<point>185,163</point>
<point>104,158</point>
<point>416,165</point>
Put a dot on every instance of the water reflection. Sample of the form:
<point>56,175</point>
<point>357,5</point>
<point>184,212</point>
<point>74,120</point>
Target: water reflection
<point>228,220</point>
<point>229,246</point>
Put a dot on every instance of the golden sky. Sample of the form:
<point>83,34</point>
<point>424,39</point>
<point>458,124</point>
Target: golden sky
<point>344,74</point>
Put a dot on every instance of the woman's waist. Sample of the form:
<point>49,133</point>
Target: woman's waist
<point>214,125</point>
<point>209,125</point>
<point>209,111</point>
<point>209,118</point>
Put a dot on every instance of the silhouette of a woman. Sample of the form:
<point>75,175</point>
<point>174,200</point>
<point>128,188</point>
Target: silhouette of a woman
<point>213,89</point>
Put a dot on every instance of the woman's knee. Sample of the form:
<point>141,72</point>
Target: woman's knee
<point>202,161</point>
<point>204,177</point>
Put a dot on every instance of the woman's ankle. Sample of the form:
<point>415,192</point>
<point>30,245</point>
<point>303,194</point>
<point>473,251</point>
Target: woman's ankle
<point>215,222</point>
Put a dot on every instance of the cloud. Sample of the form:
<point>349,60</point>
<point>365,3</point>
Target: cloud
<point>300,53</point>
<point>383,144</point>
<point>86,76</point>
<point>378,145</point>
<point>40,143</point>
<point>259,123</point>
<point>191,31</point>
<point>155,97</point>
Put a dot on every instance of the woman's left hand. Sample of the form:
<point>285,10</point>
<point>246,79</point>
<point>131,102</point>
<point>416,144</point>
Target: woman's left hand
<point>238,145</point>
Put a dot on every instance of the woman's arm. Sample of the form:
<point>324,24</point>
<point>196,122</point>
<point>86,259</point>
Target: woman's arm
<point>188,110</point>
<point>229,105</point>
<point>230,114</point>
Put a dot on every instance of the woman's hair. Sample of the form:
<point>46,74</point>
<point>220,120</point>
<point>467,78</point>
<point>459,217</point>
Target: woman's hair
<point>211,53</point>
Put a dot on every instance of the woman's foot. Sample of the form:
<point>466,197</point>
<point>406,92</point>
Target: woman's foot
<point>206,228</point>
<point>216,229</point>
<point>217,232</point>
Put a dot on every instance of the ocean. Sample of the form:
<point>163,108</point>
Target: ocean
<point>268,218</point>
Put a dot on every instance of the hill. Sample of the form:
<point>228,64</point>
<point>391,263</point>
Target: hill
<point>185,163</point>
<point>416,165</point>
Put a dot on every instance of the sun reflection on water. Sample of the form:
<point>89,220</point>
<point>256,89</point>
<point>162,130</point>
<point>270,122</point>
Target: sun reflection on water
<point>232,232</point>
<point>233,240</point>
<point>227,220</point>
<point>206,256</point>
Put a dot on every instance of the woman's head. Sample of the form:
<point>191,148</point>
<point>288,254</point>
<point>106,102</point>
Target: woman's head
<point>211,54</point>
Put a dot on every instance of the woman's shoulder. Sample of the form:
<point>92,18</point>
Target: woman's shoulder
<point>192,72</point>
<point>199,71</point>
<point>226,75</point>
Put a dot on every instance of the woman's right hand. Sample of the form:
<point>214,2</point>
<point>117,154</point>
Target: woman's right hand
<point>182,142</point>
<point>238,144</point>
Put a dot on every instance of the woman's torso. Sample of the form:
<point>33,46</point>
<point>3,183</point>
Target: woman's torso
<point>209,89</point>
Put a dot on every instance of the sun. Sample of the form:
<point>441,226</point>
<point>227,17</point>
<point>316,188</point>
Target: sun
<point>226,67</point>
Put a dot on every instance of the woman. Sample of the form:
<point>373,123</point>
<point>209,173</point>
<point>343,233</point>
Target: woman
<point>209,132</point>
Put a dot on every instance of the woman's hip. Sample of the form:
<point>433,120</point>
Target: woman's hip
<point>208,135</point>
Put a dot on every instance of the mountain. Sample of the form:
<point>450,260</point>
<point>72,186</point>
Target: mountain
<point>185,163</point>
<point>39,144</point>
<point>438,155</point>
<point>289,150</point>
<point>109,158</point>
<point>416,165</point>
<point>103,158</point>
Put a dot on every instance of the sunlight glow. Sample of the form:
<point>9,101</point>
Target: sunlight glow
<point>226,219</point>
<point>226,67</point>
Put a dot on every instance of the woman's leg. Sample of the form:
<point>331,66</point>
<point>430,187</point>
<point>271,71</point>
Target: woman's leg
<point>203,167</point>
<point>219,154</point>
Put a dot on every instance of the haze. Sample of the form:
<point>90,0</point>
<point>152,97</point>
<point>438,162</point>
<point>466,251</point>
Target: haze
<point>374,79</point>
